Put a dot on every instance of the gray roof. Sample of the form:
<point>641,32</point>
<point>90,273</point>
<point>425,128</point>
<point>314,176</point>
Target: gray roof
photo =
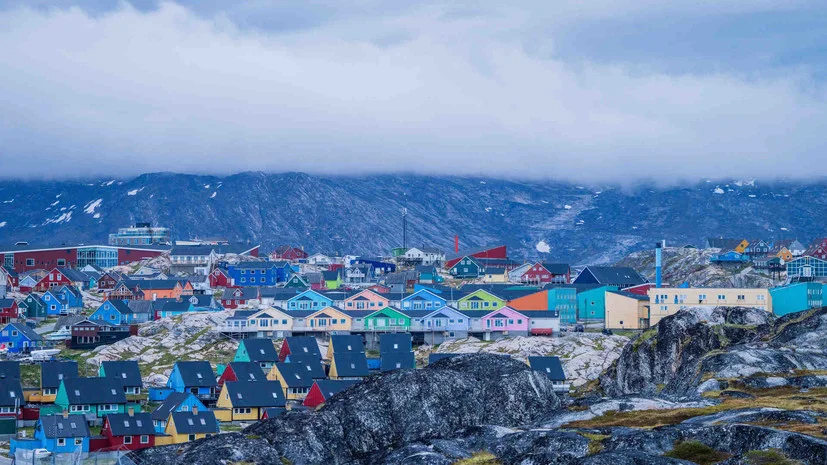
<point>247,293</point>
<point>94,391</point>
<point>331,387</point>
<point>623,275</point>
<point>395,342</point>
<point>9,369</point>
<point>124,424</point>
<point>295,375</point>
<point>120,306</point>
<point>141,306</point>
<point>192,423</point>
<point>202,250</point>
<point>550,366</point>
<point>557,268</point>
<point>74,275</point>
<point>26,331</point>
<point>347,343</point>
<point>397,361</point>
<point>196,373</point>
<point>173,400</point>
<point>11,393</point>
<point>126,371</point>
<point>247,371</point>
<point>52,373</point>
<point>58,426</point>
<point>350,364</point>
<point>255,393</point>
<point>261,350</point>
<point>303,346</point>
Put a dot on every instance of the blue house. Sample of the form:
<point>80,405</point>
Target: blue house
<point>379,267</point>
<point>259,273</point>
<point>309,300</point>
<point>114,311</point>
<point>729,257</point>
<point>195,377</point>
<point>55,305</point>
<point>176,307</point>
<point>58,434</point>
<point>175,402</point>
<point>423,300</point>
<point>19,338</point>
<point>72,296</point>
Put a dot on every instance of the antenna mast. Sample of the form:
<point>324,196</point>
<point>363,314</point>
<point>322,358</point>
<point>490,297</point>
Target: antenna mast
<point>405,221</point>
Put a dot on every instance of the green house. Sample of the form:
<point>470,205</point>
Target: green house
<point>387,319</point>
<point>91,396</point>
<point>33,306</point>
<point>332,279</point>
<point>467,267</point>
<point>480,300</point>
<point>297,282</point>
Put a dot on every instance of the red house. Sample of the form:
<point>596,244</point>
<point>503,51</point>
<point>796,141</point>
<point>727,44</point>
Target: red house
<point>498,251</point>
<point>108,281</point>
<point>287,252</point>
<point>640,289</point>
<point>541,273</point>
<point>380,289</point>
<point>235,297</point>
<point>324,389</point>
<point>55,278</point>
<point>817,251</point>
<point>11,277</point>
<point>242,371</point>
<point>218,278</point>
<point>8,311</point>
<point>126,431</point>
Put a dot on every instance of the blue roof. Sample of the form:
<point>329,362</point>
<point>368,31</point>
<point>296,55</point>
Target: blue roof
<point>550,366</point>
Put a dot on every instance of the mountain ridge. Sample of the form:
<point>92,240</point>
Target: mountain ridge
<point>585,223</point>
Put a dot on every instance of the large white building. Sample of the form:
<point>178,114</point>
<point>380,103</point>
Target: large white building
<point>667,301</point>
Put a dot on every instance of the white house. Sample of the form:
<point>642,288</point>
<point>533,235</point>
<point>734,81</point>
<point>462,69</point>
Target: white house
<point>425,255</point>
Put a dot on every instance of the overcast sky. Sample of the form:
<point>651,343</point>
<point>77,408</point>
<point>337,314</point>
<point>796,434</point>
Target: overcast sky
<point>594,90</point>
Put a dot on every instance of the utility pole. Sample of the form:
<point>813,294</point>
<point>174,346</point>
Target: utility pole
<point>405,221</point>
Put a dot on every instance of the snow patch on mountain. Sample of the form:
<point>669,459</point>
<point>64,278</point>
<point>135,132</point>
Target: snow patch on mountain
<point>134,191</point>
<point>55,203</point>
<point>717,190</point>
<point>91,206</point>
<point>2,223</point>
<point>214,194</point>
<point>64,218</point>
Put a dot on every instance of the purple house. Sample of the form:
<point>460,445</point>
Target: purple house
<point>490,325</point>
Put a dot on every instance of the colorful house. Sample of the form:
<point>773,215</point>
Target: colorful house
<point>422,300</point>
<point>287,252</point>
<point>259,273</point>
<point>329,320</point>
<point>190,426</point>
<point>365,300</point>
<point>33,307</point>
<point>349,366</point>
<point>618,276</point>
<point>175,402</point>
<point>542,273</point>
<point>299,347</point>
<point>196,377</point>
<point>323,389</point>
<point>562,300</point>
<point>11,396</point>
<point>241,371</point>
<point>62,277</point>
<point>52,375</point>
<point>344,344</point>
<point>260,351</point>
<point>797,297</point>
<point>625,310</point>
<point>440,325</point>
<point>246,400</point>
<point>480,300</point>
<point>309,300</point>
<point>179,306</point>
<point>496,324</point>
<point>295,379</point>
<point>72,296</point>
<point>806,268</point>
<point>127,372</point>
<point>238,297</point>
<point>58,434</point>
<point>297,281</point>
<point>332,278</point>
<point>127,431</point>
<point>591,302</point>
<point>467,267</point>
<point>552,368</point>
<point>18,337</point>
<point>8,311</point>
<point>91,396</point>
<point>114,311</point>
<point>388,319</point>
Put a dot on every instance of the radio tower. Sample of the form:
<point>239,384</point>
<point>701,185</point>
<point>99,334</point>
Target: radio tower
<point>405,221</point>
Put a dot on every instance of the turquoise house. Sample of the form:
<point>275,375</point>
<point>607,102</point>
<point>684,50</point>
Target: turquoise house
<point>91,396</point>
<point>309,300</point>
<point>564,300</point>
<point>591,303</point>
<point>797,298</point>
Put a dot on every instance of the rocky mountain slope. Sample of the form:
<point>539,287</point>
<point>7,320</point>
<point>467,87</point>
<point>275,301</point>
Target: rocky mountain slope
<point>580,223</point>
<point>690,265</point>
<point>699,350</point>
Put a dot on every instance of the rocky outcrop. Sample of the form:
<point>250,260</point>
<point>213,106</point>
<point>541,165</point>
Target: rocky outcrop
<point>584,355</point>
<point>384,413</point>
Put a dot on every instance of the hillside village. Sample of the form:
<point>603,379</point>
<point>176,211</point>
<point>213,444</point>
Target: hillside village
<point>143,342</point>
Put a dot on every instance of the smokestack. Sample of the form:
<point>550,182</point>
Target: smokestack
<point>659,262</point>
<point>456,244</point>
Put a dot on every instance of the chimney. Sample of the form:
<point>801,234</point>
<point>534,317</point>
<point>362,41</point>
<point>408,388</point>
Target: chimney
<point>659,262</point>
<point>131,411</point>
<point>456,244</point>
<point>65,414</point>
<point>195,410</point>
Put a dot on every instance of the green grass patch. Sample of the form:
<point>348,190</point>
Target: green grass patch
<point>769,457</point>
<point>479,458</point>
<point>595,442</point>
<point>30,375</point>
<point>696,452</point>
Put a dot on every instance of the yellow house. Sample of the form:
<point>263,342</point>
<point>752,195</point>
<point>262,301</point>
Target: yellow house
<point>270,322</point>
<point>742,246</point>
<point>295,379</point>
<point>784,254</point>
<point>189,426</point>
<point>329,319</point>
<point>246,400</point>
<point>495,275</point>
<point>625,310</point>
<point>667,301</point>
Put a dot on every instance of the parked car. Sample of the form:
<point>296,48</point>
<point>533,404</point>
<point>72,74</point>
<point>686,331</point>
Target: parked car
<point>579,329</point>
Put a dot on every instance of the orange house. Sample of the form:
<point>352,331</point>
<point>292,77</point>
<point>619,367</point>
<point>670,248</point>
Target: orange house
<point>164,288</point>
<point>784,254</point>
<point>537,301</point>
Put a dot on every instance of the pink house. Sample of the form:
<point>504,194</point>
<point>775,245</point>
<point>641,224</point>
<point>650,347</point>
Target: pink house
<point>504,322</point>
<point>366,300</point>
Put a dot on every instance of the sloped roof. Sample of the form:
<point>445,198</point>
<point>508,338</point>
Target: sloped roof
<point>395,342</point>
<point>124,424</point>
<point>331,387</point>
<point>6,303</point>
<point>255,393</point>
<point>557,268</point>
<point>260,350</point>
<point>196,373</point>
<point>397,361</point>
<point>94,391</point>
<point>141,306</point>
<point>120,306</point>
<point>350,364</point>
<point>631,295</point>
<point>58,426</point>
<point>11,393</point>
<point>295,375</point>
<point>550,366</point>
<point>26,331</point>
<point>303,345</point>
<point>52,373</point>
<point>126,371</point>
<point>616,275</point>
<point>173,400</point>
<point>9,369</point>
<point>247,371</point>
<point>191,423</point>
<point>74,275</point>
<point>247,293</point>
<point>347,343</point>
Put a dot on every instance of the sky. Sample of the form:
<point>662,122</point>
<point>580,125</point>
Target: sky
<point>586,90</point>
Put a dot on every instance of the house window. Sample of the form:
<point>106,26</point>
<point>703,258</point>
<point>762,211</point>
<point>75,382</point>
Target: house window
<point>61,442</point>
<point>127,439</point>
<point>29,262</point>
<point>191,437</point>
<point>61,262</point>
<point>144,439</point>
<point>78,441</point>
